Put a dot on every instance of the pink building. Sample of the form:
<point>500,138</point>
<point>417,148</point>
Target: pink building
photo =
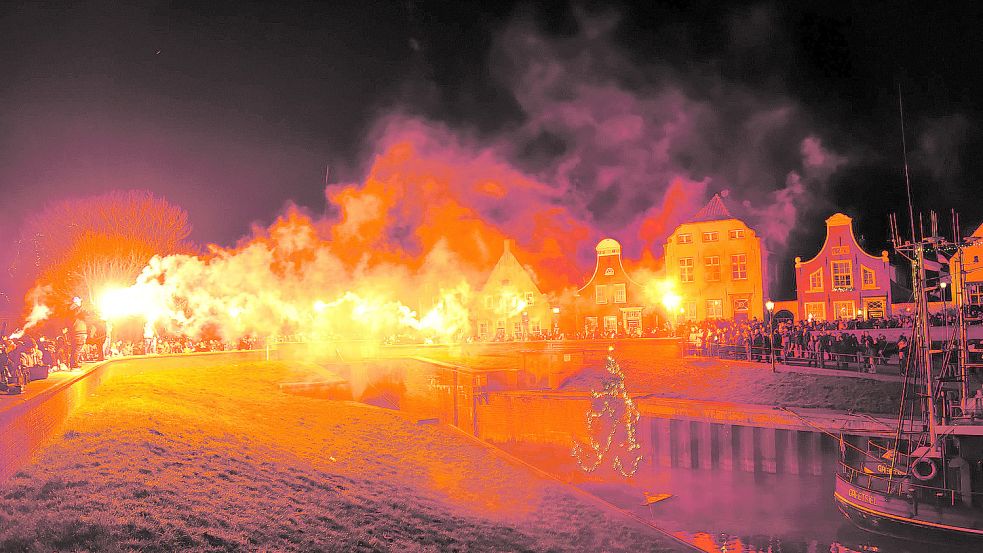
<point>842,281</point>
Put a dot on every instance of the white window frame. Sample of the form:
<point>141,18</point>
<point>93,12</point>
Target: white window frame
<point>715,309</point>
<point>610,323</point>
<point>816,308</point>
<point>689,310</point>
<point>530,298</point>
<point>736,234</point>
<point>620,293</point>
<point>685,238</point>
<point>711,236</point>
<point>842,279</point>
<point>845,309</point>
<point>711,267</point>
<point>866,271</point>
<point>815,276</point>
<point>600,294</point>
<point>738,266</point>
<point>686,272</point>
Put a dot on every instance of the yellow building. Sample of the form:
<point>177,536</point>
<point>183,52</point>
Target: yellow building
<point>510,306</point>
<point>717,266</point>
<point>967,273</point>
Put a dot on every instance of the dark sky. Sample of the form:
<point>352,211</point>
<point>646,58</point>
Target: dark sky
<point>232,110</point>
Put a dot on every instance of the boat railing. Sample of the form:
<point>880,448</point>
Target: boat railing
<point>901,486</point>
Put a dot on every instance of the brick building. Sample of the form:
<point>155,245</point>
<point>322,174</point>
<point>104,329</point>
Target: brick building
<point>610,302</point>
<point>843,281</point>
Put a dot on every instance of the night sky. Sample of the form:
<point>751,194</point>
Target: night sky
<point>235,110</point>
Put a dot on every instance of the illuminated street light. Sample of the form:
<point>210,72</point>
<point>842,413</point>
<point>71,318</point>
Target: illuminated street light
<point>770,305</point>
<point>945,315</point>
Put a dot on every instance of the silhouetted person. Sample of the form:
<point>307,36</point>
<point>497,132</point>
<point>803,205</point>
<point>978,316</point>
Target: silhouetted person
<point>79,334</point>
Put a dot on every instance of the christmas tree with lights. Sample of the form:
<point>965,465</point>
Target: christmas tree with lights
<point>611,424</point>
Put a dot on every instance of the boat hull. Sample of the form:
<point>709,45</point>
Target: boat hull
<point>894,516</point>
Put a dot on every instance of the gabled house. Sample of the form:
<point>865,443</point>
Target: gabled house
<point>510,306</point>
<point>717,265</point>
<point>843,281</point>
<point>611,302</point>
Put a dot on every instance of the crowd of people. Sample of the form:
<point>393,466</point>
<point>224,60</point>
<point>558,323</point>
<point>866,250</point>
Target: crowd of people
<point>24,358</point>
<point>813,344</point>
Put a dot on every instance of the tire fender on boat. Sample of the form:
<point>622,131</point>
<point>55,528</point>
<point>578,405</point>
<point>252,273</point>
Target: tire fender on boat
<point>924,469</point>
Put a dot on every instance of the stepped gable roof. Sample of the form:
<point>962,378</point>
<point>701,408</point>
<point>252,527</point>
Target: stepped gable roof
<point>715,210</point>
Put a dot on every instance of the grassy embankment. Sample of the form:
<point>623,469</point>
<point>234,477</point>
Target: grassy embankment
<point>179,454</point>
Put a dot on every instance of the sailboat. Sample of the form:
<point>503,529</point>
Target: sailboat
<point>926,481</point>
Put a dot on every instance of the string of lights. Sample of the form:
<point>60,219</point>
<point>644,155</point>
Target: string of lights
<point>617,409</point>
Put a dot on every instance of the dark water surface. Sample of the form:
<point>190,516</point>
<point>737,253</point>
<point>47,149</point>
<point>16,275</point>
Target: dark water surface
<point>731,511</point>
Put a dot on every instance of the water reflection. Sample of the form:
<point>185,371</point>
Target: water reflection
<point>714,510</point>
<point>729,511</point>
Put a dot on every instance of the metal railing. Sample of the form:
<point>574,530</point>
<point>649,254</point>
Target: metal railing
<point>859,361</point>
<point>903,487</point>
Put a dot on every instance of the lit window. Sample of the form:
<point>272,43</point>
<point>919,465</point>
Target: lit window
<point>736,234</point>
<point>685,238</point>
<point>712,236</point>
<point>620,296</point>
<point>715,309</point>
<point>610,323</point>
<point>600,295</point>
<point>516,328</point>
<point>712,265</point>
<point>609,271</point>
<point>483,329</point>
<point>534,326</point>
<point>689,310</point>
<point>976,294</point>
<point>869,278</point>
<point>738,266</point>
<point>815,311</point>
<point>842,275</point>
<point>816,281</point>
<point>844,309</point>
<point>686,269</point>
<point>590,324</point>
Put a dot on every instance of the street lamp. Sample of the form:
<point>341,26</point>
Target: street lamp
<point>945,315</point>
<point>770,305</point>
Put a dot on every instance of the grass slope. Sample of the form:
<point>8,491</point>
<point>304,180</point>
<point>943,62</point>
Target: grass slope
<point>193,454</point>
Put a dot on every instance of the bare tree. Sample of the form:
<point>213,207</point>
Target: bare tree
<point>85,244</point>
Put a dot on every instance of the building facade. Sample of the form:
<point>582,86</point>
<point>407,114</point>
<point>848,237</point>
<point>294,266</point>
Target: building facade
<point>843,281</point>
<point>717,264</point>
<point>510,306</point>
<point>967,272</point>
<point>611,302</point>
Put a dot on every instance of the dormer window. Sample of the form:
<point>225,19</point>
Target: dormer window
<point>609,271</point>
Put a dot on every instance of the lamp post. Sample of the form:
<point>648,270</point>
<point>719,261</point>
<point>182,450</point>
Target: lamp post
<point>770,306</point>
<point>945,315</point>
